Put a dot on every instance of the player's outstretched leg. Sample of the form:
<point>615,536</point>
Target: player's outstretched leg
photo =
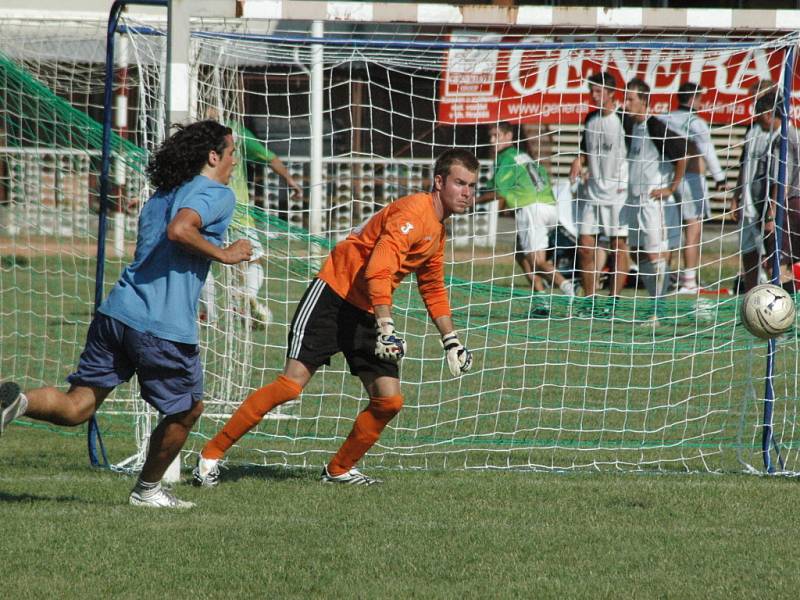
<point>247,416</point>
<point>12,404</point>
<point>366,430</point>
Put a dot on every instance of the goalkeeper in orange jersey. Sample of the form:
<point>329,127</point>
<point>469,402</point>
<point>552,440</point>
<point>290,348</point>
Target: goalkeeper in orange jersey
<point>348,308</point>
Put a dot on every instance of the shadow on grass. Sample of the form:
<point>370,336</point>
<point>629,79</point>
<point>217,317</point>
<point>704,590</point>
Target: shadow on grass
<point>276,473</point>
<point>30,498</point>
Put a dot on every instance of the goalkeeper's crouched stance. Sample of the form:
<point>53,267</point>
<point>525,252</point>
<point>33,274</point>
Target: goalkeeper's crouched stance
<point>347,308</point>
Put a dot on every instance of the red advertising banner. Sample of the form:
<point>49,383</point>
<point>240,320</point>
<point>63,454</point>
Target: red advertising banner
<point>517,84</point>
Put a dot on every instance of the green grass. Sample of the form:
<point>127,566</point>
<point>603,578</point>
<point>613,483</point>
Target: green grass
<point>67,532</point>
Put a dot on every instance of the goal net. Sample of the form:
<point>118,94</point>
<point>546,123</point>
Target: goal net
<point>51,106</point>
<point>558,382</point>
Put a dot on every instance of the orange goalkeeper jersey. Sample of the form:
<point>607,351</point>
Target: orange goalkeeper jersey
<point>403,237</point>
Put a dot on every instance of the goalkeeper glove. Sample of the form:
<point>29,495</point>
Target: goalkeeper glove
<point>387,345</point>
<point>459,359</point>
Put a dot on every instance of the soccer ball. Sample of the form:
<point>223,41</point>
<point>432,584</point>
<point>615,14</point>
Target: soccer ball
<point>767,311</point>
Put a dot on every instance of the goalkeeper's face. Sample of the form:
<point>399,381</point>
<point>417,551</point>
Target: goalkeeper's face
<point>457,189</point>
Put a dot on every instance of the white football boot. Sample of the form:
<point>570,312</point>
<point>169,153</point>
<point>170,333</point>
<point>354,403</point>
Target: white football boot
<point>352,477</point>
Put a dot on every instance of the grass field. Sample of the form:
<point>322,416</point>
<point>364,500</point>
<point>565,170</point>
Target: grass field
<point>570,394</point>
<point>278,533</point>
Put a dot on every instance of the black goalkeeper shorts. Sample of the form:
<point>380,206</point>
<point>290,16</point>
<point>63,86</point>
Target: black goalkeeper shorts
<point>324,324</point>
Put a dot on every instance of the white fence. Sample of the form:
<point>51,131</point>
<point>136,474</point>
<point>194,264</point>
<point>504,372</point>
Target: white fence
<point>55,192</point>
<point>47,192</point>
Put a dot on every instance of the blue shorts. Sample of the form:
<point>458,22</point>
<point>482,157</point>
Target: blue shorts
<point>169,373</point>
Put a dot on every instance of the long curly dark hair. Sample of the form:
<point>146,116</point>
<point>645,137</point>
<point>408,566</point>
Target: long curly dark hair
<point>184,154</point>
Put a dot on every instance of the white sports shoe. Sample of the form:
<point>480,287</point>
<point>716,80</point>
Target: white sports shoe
<point>687,286</point>
<point>12,404</point>
<point>568,287</point>
<point>260,312</point>
<point>206,473</point>
<point>352,477</point>
<point>687,290</point>
<point>160,499</point>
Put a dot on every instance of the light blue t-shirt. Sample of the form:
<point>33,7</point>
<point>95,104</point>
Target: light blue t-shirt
<point>158,292</point>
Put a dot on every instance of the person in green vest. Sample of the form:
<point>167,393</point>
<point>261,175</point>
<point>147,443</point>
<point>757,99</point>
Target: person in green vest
<point>252,151</point>
<point>522,185</point>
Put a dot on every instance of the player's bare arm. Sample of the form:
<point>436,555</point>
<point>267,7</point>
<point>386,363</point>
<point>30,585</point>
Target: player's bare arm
<point>276,164</point>
<point>486,197</point>
<point>489,197</point>
<point>184,229</point>
<point>666,192</point>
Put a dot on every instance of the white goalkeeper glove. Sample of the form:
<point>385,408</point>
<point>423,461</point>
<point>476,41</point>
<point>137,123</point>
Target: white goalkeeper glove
<point>388,345</point>
<point>459,359</point>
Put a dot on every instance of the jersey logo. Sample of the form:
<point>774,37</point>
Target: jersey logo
<point>406,228</point>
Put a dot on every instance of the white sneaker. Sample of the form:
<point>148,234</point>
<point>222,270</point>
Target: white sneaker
<point>352,477</point>
<point>12,404</point>
<point>686,290</point>
<point>260,312</point>
<point>568,288</point>
<point>160,499</point>
<point>206,473</point>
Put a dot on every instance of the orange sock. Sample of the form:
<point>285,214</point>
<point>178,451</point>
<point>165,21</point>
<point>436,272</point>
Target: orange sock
<point>366,431</point>
<point>250,413</point>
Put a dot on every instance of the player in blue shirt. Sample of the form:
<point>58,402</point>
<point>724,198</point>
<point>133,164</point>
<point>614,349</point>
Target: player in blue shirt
<point>148,323</point>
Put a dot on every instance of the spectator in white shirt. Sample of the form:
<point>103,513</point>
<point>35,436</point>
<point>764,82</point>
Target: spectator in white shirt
<point>603,153</point>
<point>692,192</point>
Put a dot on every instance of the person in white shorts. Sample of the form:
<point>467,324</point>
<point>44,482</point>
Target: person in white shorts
<point>605,189</point>
<point>749,201</point>
<point>523,185</point>
<point>656,165</point>
<point>692,192</point>
<point>244,225</point>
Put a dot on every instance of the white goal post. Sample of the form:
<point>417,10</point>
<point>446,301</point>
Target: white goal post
<point>357,100</point>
